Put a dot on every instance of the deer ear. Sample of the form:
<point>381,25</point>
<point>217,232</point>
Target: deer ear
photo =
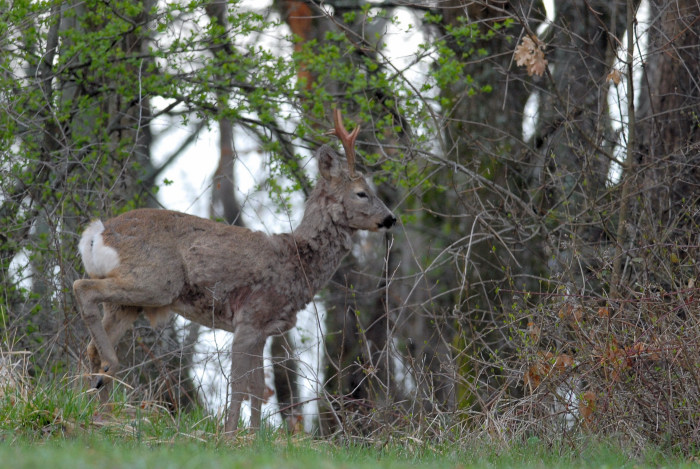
<point>329,164</point>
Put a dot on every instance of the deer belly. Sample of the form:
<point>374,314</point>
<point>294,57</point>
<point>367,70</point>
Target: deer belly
<point>204,306</point>
<point>265,309</point>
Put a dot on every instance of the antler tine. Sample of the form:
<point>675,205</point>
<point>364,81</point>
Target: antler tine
<point>348,139</point>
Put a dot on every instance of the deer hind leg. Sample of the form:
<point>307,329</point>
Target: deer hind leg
<point>285,371</point>
<point>247,376</point>
<point>116,321</point>
<point>122,302</point>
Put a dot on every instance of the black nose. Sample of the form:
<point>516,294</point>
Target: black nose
<point>388,222</point>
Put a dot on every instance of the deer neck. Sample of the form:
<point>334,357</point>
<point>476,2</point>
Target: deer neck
<point>322,239</point>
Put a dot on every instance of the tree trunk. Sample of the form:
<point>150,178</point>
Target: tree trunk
<point>493,238</point>
<point>666,214</point>
<point>574,138</point>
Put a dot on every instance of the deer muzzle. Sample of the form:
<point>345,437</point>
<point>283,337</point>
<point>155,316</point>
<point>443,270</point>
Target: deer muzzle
<point>387,223</point>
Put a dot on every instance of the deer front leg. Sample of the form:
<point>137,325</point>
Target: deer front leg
<point>116,321</point>
<point>101,353</point>
<point>247,376</point>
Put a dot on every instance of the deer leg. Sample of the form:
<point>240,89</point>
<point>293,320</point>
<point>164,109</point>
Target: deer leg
<point>285,373</point>
<point>101,352</point>
<point>247,376</point>
<point>116,321</point>
<point>115,294</point>
<point>257,388</point>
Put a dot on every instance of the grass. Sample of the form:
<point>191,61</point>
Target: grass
<point>90,452</point>
<point>99,451</point>
<point>53,426</point>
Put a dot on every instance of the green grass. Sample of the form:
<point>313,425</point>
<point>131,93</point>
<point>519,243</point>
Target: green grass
<point>54,427</point>
<point>102,452</point>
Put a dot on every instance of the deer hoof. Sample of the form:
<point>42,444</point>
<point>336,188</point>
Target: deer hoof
<point>101,379</point>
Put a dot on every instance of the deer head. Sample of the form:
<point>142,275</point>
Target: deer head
<point>361,208</point>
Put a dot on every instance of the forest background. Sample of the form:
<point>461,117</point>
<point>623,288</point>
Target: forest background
<point>542,280</point>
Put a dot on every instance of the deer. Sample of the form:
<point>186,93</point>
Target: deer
<point>158,262</point>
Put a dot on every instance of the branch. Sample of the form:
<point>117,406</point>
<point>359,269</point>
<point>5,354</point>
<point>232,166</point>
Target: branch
<point>155,172</point>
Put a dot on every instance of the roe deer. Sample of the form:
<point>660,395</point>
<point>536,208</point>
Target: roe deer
<point>252,284</point>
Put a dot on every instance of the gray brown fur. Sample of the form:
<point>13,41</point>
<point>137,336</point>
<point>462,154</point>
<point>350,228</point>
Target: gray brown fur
<point>252,284</point>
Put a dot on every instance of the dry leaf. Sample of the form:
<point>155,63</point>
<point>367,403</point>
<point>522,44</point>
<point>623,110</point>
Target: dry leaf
<point>565,311</point>
<point>563,361</point>
<point>530,53</point>
<point>295,424</point>
<point>614,359</point>
<point>587,407</point>
<point>546,365</point>
<point>534,332</point>
<point>578,314</point>
<point>533,376</point>
<point>640,350</point>
<point>268,392</point>
<point>524,51</point>
<point>573,314</point>
<point>615,76</point>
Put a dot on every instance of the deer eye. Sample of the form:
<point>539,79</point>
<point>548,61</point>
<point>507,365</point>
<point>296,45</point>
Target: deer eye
<point>362,194</point>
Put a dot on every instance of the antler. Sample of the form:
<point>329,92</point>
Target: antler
<point>348,139</point>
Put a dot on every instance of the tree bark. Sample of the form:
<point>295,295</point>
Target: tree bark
<point>665,213</point>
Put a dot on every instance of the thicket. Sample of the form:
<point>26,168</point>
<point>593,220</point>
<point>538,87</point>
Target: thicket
<point>542,281</point>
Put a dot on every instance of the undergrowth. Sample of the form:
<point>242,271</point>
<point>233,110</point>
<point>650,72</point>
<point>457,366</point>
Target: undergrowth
<point>68,428</point>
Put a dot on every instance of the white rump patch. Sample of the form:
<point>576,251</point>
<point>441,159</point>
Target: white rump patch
<point>98,258</point>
